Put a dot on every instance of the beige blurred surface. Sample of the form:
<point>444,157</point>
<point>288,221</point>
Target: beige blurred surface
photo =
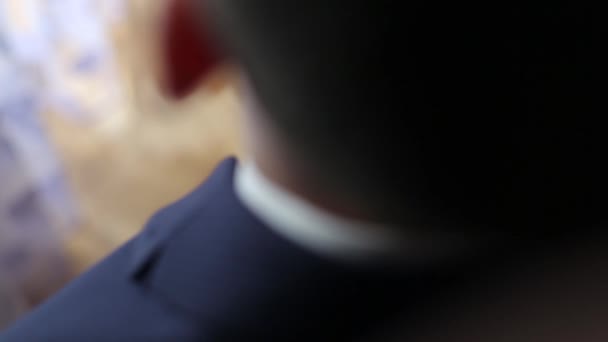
<point>124,168</point>
<point>120,179</point>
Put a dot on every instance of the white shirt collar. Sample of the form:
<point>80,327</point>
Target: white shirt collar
<point>313,228</point>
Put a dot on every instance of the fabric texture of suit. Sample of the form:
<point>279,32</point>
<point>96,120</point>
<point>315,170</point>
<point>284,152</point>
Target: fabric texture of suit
<point>206,269</point>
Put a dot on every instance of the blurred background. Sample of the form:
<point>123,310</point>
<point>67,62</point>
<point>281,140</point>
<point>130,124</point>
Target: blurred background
<point>89,146</point>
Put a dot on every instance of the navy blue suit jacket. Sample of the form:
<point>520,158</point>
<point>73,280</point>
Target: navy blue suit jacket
<point>206,269</point>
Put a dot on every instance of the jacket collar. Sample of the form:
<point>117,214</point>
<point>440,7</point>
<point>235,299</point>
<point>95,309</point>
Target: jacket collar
<point>210,257</point>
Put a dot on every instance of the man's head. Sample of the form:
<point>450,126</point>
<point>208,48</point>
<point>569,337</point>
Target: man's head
<point>439,116</point>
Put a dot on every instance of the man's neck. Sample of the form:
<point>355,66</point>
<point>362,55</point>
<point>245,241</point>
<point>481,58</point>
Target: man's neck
<point>312,227</point>
<point>282,172</point>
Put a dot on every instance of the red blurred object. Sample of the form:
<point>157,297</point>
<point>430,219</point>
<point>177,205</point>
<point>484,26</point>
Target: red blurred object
<point>189,53</point>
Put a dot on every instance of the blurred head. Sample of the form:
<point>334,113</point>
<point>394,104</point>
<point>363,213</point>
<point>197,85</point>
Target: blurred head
<point>434,117</point>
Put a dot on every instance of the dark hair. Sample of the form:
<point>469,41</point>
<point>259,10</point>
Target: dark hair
<point>453,115</point>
